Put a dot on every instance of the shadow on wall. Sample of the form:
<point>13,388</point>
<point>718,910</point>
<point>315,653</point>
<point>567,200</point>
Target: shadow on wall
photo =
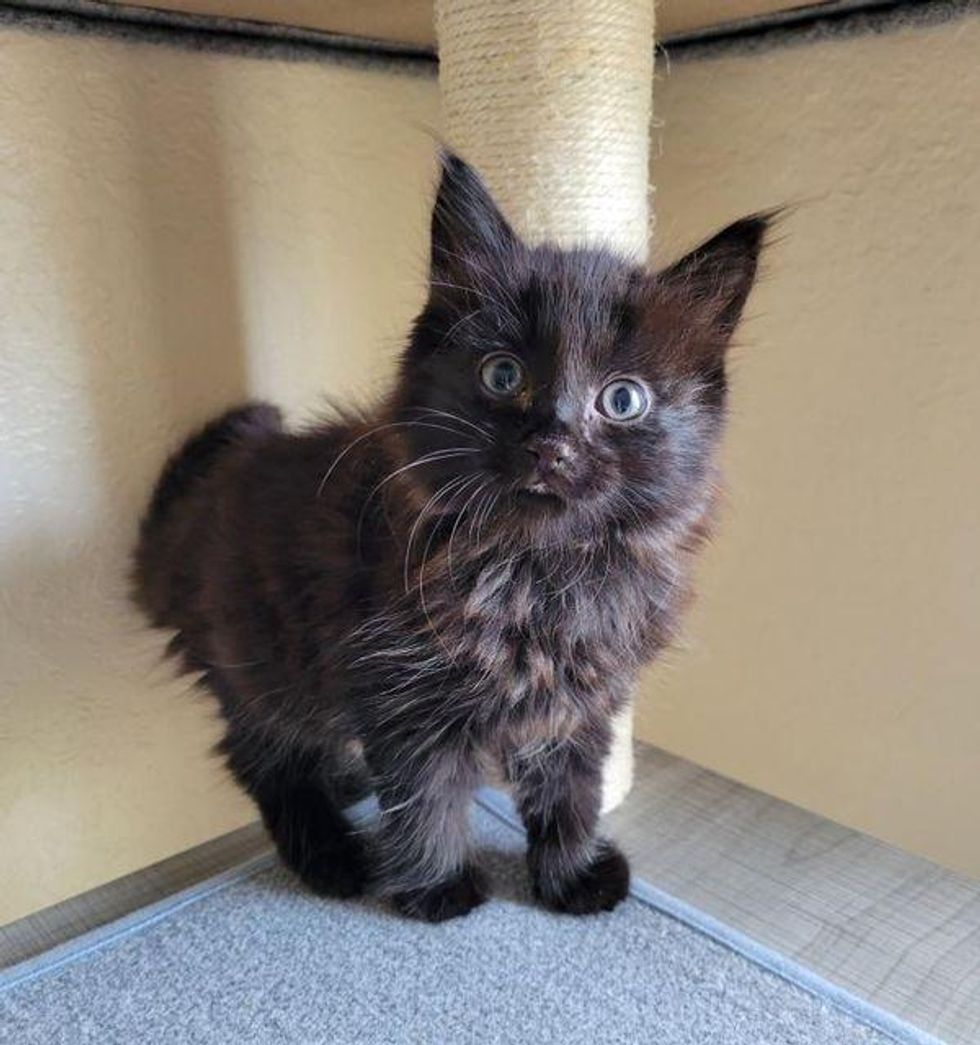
<point>137,332</point>
<point>135,232</point>
<point>124,330</point>
<point>165,351</point>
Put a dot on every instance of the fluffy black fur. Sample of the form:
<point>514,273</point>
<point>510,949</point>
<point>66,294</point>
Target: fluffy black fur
<point>460,579</point>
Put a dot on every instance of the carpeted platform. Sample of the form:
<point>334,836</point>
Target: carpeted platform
<point>250,957</point>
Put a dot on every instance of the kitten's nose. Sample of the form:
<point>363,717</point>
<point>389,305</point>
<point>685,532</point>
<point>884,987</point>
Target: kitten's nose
<point>552,453</point>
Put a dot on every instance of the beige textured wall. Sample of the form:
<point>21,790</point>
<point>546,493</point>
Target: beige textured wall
<point>834,656</point>
<point>177,230</point>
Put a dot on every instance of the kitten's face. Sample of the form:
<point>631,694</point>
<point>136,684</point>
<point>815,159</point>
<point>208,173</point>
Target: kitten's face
<point>566,391</point>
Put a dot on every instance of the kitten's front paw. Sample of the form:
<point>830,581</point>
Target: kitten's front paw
<point>599,887</point>
<point>339,870</point>
<point>450,898</point>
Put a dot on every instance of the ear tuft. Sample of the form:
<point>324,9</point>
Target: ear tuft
<point>716,277</point>
<point>469,234</point>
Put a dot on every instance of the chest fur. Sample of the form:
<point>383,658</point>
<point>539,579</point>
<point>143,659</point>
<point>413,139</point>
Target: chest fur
<point>563,631</point>
<point>517,647</point>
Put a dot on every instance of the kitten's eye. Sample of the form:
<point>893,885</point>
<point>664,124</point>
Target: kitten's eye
<point>623,400</point>
<point>502,374</point>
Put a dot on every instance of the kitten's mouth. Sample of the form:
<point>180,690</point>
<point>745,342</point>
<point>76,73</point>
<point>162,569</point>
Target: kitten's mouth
<point>539,486</point>
<point>539,495</point>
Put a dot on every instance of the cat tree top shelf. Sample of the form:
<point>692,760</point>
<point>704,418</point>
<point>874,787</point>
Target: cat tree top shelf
<point>411,22</point>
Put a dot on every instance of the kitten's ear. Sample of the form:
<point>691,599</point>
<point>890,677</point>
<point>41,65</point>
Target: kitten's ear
<point>469,234</point>
<point>714,280</point>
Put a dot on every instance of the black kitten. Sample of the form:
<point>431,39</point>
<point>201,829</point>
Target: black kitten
<point>467,576</point>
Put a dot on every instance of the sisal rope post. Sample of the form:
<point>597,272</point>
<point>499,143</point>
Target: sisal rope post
<point>550,100</point>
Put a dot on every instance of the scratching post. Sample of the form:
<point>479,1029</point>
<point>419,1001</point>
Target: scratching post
<point>550,100</point>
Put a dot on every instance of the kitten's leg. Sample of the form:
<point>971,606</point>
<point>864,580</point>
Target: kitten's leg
<point>558,793</point>
<point>303,816</point>
<point>424,844</point>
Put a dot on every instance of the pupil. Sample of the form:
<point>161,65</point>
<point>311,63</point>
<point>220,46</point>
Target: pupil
<point>622,400</point>
<point>504,377</point>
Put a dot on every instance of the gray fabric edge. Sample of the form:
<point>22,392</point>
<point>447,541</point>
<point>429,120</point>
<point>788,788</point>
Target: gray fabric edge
<point>143,917</point>
<point>130,924</point>
<point>798,26</point>
<point>501,807</point>
<point>821,23</point>
<point>212,34</point>
<point>40,931</point>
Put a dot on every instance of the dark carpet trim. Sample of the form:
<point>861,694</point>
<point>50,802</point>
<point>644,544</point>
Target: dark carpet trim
<point>210,34</point>
<point>815,23</point>
<point>808,24</point>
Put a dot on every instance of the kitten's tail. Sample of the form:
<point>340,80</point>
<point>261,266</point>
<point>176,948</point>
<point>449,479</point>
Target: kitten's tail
<point>199,453</point>
<point>185,470</point>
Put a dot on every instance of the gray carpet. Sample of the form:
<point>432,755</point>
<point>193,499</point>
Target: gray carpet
<point>252,958</point>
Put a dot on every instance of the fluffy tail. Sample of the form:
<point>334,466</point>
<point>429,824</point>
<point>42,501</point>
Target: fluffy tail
<point>184,471</point>
<point>199,453</point>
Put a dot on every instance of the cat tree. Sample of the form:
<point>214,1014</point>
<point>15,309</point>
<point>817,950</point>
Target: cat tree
<point>550,99</point>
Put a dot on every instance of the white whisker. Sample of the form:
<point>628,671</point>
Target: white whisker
<point>374,431</point>
<point>419,519</point>
<point>459,518</point>
<point>448,454</point>
<point>449,415</point>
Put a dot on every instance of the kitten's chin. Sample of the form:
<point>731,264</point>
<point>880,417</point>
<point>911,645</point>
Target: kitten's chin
<point>540,502</point>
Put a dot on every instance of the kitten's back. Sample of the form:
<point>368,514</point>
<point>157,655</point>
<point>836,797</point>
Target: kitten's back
<point>182,475</point>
